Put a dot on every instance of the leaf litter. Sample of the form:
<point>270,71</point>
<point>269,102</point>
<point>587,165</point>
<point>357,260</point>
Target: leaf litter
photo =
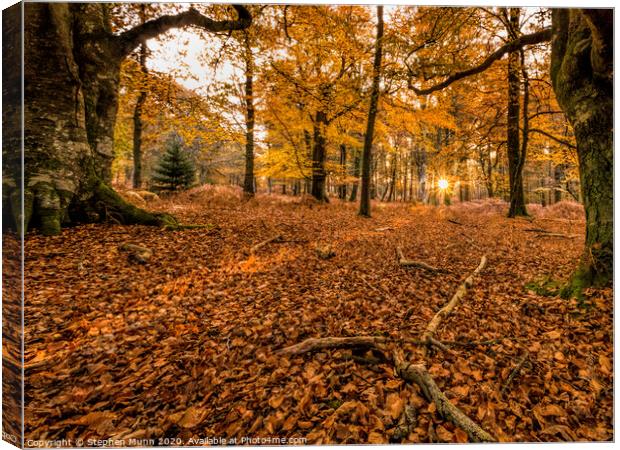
<point>183,346</point>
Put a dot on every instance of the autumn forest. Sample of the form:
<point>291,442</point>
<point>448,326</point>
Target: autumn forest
<point>307,224</point>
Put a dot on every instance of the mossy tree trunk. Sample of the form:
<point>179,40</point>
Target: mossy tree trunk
<point>582,76</point>
<point>72,67</point>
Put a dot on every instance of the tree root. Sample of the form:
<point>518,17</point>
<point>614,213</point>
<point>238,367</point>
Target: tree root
<point>456,298</point>
<point>128,213</point>
<point>411,263</point>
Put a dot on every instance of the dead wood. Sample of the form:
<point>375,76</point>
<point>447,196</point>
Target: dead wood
<point>137,254</point>
<point>417,373</point>
<point>411,263</point>
<point>456,222</point>
<point>514,373</point>
<point>258,246</point>
<point>456,298</point>
<point>315,344</point>
<point>536,230</point>
<point>558,235</point>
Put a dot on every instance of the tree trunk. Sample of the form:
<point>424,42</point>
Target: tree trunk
<point>582,76</point>
<point>372,115</point>
<point>515,163</point>
<point>356,174</point>
<point>318,156</point>
<point>137,122</point>
<point>248,182</point>
<point>342,188</point>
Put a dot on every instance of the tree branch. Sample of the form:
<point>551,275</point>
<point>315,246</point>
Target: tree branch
<point>526,39</point>
<point>552,137</point>
<point>130,39</point>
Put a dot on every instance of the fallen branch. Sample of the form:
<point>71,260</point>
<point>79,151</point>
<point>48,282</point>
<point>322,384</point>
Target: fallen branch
<point>536,230</point>
<point>314,344</point>
<point>411,263</point>
<point>456,222</point>
<point>417,373</point>
<point>514,373</point>
<point>558,235</point>
<point>258,246</point>
<point>458,295</point>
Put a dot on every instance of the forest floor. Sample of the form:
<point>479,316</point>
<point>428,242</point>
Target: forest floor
<point>184,346</point>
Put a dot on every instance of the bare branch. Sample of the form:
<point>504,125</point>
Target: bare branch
<point>527,39</point>
<point>552,137</point>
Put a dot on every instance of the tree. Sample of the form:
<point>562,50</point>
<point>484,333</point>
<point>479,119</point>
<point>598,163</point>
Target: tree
<point>372,115</point>
<point>175,170</point>
<point>582,74</point>
<point>72,65</point>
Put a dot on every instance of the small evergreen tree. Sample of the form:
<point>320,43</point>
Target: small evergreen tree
<point>175,169</point>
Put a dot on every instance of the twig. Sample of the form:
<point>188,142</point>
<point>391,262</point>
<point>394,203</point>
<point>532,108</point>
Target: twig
<point>263,243</point>
<point>456,222</point>
<point>514,373</point>
<point>411,263</point>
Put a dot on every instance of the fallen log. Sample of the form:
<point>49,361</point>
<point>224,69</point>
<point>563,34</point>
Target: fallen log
<point>417,373</point>
<point>258,246</point>
<point>456,298</point>
<point>411,263</point>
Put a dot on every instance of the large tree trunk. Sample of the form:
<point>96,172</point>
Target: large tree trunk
<point>582,75</point>
<point>71,75</point>
<point>248,182</point>
<point>372,115</point>
<point>515,163</point>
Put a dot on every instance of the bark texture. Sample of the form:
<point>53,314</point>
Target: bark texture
<point>582,76</point>
<point>248,180</point>
<point>515,157</point>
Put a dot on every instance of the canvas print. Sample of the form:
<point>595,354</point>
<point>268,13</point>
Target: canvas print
<point>273,224</point>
